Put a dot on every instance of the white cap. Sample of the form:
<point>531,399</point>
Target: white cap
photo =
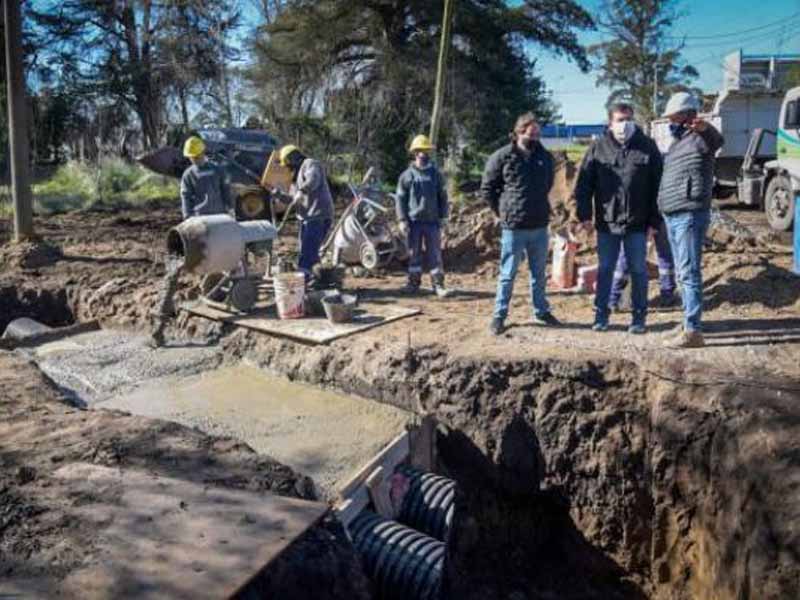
<point>680,102</point>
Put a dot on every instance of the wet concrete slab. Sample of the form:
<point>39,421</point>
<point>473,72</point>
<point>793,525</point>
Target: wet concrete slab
<point>320,433</point>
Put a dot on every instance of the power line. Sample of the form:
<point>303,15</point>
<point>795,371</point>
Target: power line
<point>736,33</point>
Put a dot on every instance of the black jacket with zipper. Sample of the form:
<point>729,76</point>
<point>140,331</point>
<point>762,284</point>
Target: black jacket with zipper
<point>516,186</point>
<point>619,183</point>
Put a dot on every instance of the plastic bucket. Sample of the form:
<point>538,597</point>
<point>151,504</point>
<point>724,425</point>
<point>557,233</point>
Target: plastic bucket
<point>339,309</point>
<point>290,292</point>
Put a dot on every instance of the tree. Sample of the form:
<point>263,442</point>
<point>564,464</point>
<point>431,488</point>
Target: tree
<point>140,52</point>
<point>641,54</point>
<point>366,68</point>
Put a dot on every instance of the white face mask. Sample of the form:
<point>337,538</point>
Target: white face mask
<point>622,130</point>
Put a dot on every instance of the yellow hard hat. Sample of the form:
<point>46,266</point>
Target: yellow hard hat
<point>285,152</point>
<point>421,143</point>
<point>194,147</point>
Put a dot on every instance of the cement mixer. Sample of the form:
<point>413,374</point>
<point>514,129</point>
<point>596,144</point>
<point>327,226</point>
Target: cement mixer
<point>217,246</point>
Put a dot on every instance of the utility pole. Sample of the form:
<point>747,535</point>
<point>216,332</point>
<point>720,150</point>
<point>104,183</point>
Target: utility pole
<point>18,129</point>
<point>655,89</point>
<point>441,70</point>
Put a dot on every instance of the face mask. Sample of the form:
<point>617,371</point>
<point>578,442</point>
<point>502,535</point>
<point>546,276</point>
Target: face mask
<point>677,130</point>
<point>622,130</point>
<point>423,159</point>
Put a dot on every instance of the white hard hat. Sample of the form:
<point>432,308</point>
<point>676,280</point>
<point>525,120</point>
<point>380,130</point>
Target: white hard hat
<point>679,102</point>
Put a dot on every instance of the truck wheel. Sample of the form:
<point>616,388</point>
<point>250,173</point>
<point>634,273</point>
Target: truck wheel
<point>779,203</point>
<point>251,207</point>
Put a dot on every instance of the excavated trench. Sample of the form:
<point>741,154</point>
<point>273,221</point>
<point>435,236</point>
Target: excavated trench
<point>577,478</point>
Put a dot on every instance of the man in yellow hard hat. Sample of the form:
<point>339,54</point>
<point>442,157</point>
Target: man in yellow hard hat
<point>313,203</point>
<point>422,208</point>
<point>203,187</point>
<point>203,192</point>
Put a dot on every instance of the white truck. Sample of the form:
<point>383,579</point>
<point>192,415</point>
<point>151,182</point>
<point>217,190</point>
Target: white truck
<point>750,105</point>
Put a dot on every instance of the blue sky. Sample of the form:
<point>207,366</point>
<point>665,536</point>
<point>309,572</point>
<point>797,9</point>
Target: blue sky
<point>583,102</point>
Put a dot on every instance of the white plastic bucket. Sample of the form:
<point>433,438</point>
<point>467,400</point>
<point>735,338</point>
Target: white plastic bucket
<point>290,293</point>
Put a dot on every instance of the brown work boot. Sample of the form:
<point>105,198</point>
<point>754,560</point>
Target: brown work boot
<point>686,339</point>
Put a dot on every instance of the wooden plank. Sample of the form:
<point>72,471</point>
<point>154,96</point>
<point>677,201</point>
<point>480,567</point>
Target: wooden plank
<point>378,484</point>
<point>161,537</point>
<point>347,510</point>
<point>310,330</point>
<point>388,458</point>
<point>422,445</point>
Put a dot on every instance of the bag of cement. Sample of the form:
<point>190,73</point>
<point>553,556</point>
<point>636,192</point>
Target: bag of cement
<point>564,250</point>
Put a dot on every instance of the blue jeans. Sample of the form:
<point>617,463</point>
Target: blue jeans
<point>687,231</point>
<point>312,235</point>
<point>514,245</point>
<point>666,269</point>
<point>608,248</point>
<point>424,247</point>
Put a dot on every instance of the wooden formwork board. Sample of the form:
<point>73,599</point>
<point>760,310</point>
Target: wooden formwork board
<point>170,538</point>
<point>310,330</point>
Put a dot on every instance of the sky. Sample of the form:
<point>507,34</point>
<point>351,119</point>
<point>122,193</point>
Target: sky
<point>582,101</point>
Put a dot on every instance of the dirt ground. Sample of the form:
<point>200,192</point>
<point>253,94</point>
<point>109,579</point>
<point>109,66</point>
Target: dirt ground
<point>108,266</point>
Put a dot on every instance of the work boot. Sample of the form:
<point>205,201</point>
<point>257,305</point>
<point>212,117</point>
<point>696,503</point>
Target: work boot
<point>413,283</point>
<point>438,286</point>
<point>687,339</point>
<point>157,339</point>
<point>546,320</point>
<point>637,329</point>
<point>600,326</point>
<point>666,301</point>
<point>497,327</point>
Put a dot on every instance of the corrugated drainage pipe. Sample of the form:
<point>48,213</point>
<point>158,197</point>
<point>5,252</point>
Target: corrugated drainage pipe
<point>428,504</point>
<point>403,563</point>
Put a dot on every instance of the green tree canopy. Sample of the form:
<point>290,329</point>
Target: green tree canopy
<point>641,49</point>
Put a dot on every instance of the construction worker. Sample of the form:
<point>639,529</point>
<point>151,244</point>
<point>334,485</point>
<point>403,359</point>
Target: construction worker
<point>203,187</point>
<point>684,199</point>
<point>618,182</point>
<point>203,192</point>
<point>668,296</point>
<point>516,183</point>
<point>313,203</point>
<point>422,208</point>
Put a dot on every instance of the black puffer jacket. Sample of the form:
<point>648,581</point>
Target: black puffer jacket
<point>619,183</point>
<point>688,180</point>
<point>516,185</point>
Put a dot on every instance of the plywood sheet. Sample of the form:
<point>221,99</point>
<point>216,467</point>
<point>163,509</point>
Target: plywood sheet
<point>159,537</point>
<point>313,330</point>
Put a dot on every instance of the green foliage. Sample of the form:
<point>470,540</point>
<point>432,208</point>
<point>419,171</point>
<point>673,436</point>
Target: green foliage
<point>640,51</point>
<point>112,182</point>
<point>366,69</point>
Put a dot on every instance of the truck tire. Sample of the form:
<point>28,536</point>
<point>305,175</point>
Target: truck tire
<point>779,203</point>
<point>252,207</point>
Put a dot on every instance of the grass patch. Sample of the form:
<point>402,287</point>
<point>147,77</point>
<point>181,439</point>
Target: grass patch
<point>110,183</point>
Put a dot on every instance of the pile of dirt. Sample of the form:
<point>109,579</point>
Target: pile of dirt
<point>29,255</point>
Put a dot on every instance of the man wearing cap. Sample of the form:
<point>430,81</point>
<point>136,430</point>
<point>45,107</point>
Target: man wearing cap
<point>203,187</point>
<point>422,208</point>
<point>313,204</point>
<point>516,183</point>
<point>684,199</point>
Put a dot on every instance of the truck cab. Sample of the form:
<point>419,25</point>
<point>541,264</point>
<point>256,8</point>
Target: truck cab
<point>775,183</point>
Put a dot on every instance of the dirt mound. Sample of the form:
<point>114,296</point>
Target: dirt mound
<point>29,255</point>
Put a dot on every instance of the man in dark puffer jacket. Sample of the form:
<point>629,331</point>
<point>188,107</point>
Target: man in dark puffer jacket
<point>516,183</point>
<point>684,199</point>
<point>619,179</point>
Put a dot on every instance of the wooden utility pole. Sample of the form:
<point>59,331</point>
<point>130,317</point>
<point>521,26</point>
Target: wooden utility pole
<point>17,125</point>
<point>441,70</point>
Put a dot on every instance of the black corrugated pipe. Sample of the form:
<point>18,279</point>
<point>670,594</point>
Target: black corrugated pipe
<point>428,504</point>
<point>403,563</point>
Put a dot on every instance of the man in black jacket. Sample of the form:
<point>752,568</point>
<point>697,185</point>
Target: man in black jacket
<point>619,180</point>
<point>516,183</point>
